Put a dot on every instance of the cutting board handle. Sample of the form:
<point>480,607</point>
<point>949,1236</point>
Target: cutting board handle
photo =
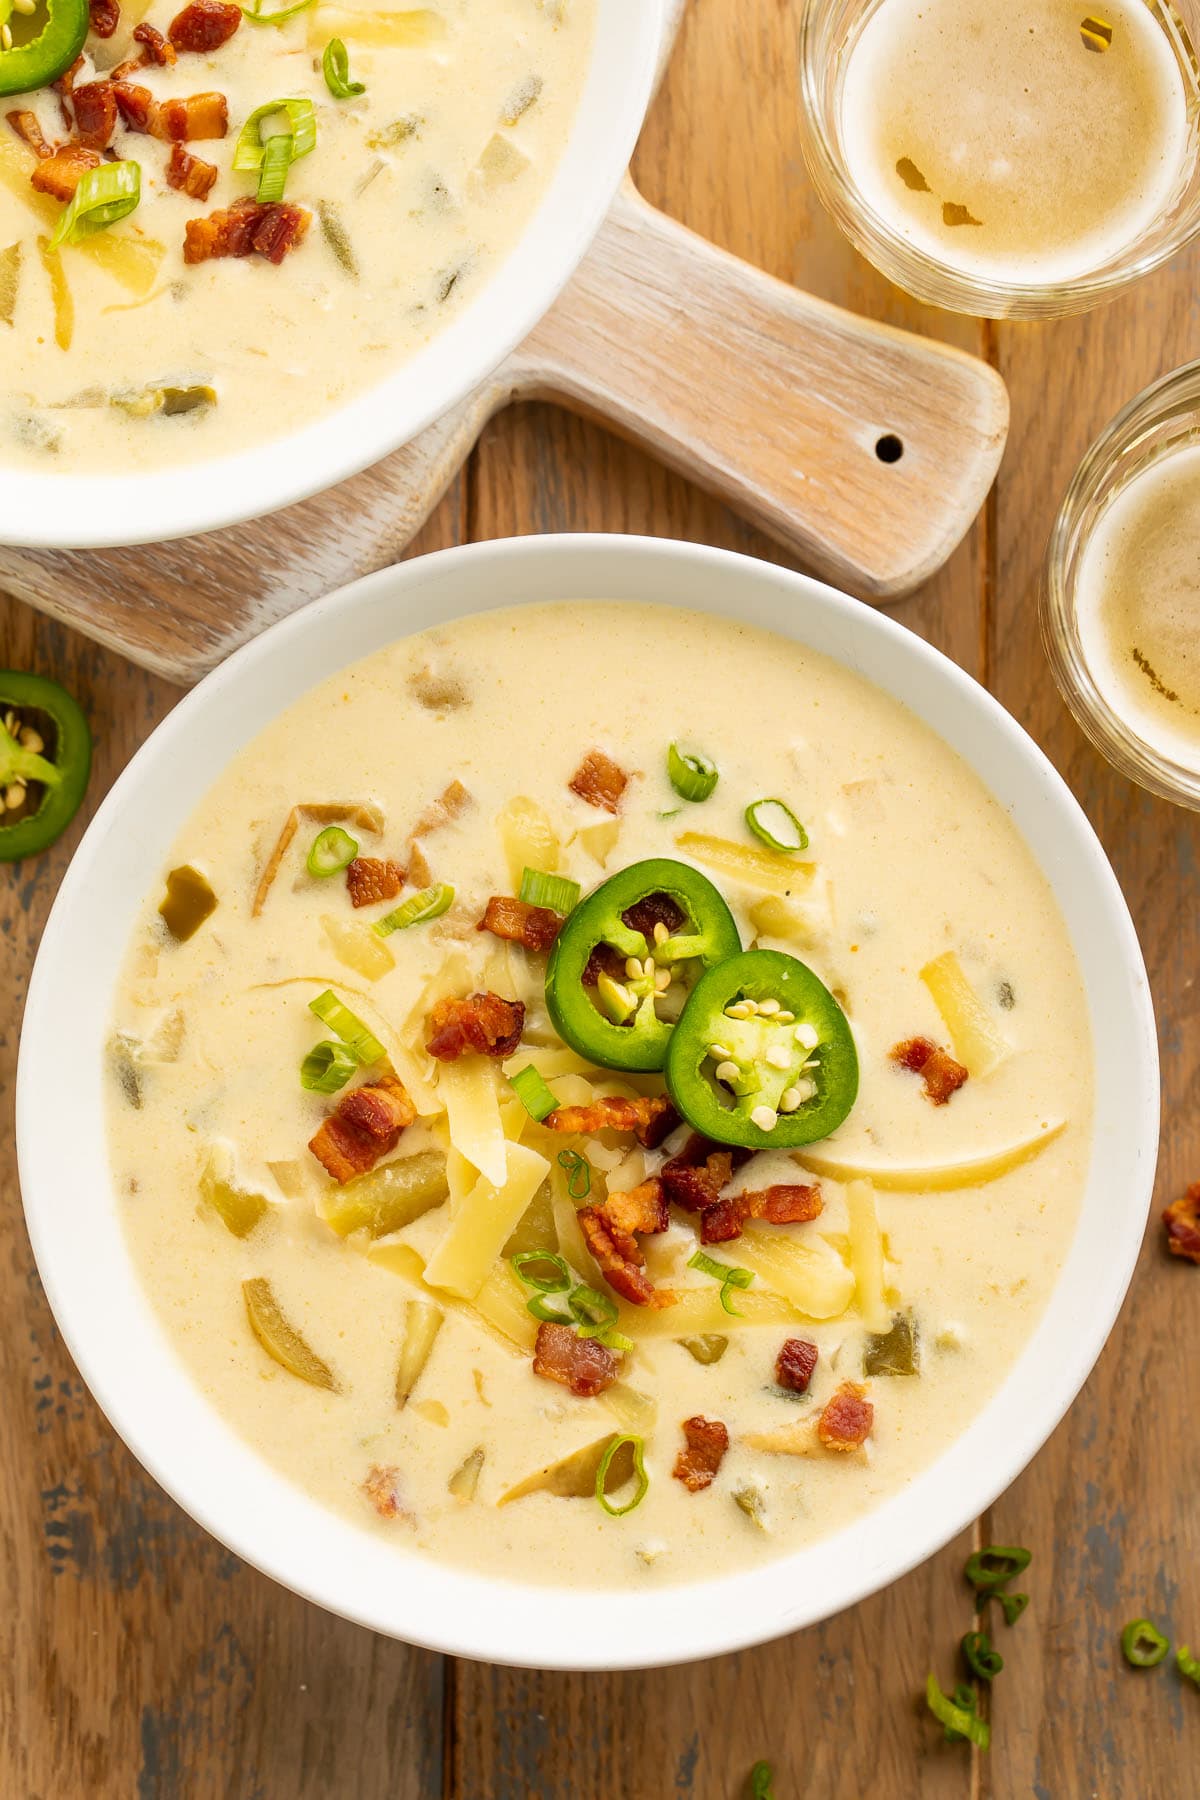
<point>864,450</point>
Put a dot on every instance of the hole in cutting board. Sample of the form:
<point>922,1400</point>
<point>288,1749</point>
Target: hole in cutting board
<point>889,448</point>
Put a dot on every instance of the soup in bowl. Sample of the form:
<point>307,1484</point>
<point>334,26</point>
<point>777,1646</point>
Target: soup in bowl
<point>599,1096</point>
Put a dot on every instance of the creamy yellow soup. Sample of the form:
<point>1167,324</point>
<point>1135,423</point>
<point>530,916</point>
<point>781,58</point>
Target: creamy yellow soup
<point>119,356</point>
<point>916,903</point>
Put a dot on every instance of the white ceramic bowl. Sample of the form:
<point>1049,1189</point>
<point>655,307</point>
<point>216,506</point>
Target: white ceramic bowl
<point>119,1344</point>
<point>90,511</point>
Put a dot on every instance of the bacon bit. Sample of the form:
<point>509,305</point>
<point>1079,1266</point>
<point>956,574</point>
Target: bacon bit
<point>66,81</point>
<point>651,1117</point>
<point>846,1418</point>
<point>795,1364</point>
<point>1182,1220</point>
<point>629,1210</point>
<point>609,1232</point>
<point>61,173</point>
<point>199,116</point>
<point>28,129</point>
<point>939,1071</point>
<point>204,26</point>
<point>321,812</point>
<point>600,781</point>
<point>104,16</point>
<point>365,1125</point>
<point>786,1204</point>
<point>137,105</point>
<point>95,114</point>
<point>520,923</point>
<point>246,228</point>
<point>155,48</point>
<point>706,1441</point>
<point>479,1024</point>
<point>371,878</point>
<point>190,174</point>
<point>584,1365</point>
<point>384,1490</point>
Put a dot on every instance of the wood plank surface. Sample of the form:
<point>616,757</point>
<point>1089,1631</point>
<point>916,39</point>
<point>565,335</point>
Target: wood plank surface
<point>142,1661</point>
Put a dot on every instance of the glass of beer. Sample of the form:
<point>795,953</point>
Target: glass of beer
<point>1007,158</point>
<point>1121,594</point>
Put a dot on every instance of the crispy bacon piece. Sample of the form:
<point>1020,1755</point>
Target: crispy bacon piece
<point>384,1490</point>
<point>1182,1220</point>
<point>600,781</point>
<point>190,174</point>
<point>694,1177</point>
<point>364,1125</point>
<point>520,923</point>
<point>61,173</point>
<point>785,1204</point>
<point>65,83</point>
<point>705,1444</point>
<point>204,26</point>
<point>584,1365</point>
<point>479,1024</point>
<point>937,1068</point>
<point>372,878</point>
<point>846,1418</point>
<point>650,1117</point>
<point>609,1231</point>
<point>795,1364</point>
<point>246,228</point>
<point>137,105</point>
<point>95,114</point>
<point>104,16</point>
<point>198,116</point>
<point>27,128</point>
<point>155,48</point>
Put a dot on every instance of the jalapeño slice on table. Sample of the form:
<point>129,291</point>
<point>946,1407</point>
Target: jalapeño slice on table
<point>762,1055</point>
<point>45,759</point>
<point>33,55</point>
<point>614,980</point>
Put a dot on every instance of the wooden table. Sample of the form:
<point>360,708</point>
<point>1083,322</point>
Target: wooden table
<point>142,1660</point>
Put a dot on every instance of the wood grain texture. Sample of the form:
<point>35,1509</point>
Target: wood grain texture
<point>142,1664</point>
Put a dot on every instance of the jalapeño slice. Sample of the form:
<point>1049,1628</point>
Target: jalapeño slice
<point>613,983</point>
<point>39,55</point>
<point>762,1055</point>
<point>45,758</point>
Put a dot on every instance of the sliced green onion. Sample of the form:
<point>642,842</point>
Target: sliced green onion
<point>1187,1664</point>
<point>335,65</point>
<point>327,1068</point>
<point>593,1312</point>
<point>302,132</point>
<point>555,891</point>
<point>1012,1606</point>
<point>988,1569</point>
<point>532,1092</point>
<point>257,16</point>
<point>579,1173</point>
<point>430,903</point>
<point>365,1046</point>
<point>103,196</point>
<point>277,160</point>
<point>332,850</point>
<point>979,1656</point>
<point>639,1470</point>
<point>558,1283</point>
<point>549,1315</point>
<point>729,1277</point>
<point>761,1777</point>
<point>691,775</point>
<point>1143,1645</point>
<point>777,826</point>
<point>959,1721</point>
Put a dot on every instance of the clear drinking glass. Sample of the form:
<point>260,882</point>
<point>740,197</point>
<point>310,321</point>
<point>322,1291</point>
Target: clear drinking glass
<point>829,30</point>
<point>1164,418</point>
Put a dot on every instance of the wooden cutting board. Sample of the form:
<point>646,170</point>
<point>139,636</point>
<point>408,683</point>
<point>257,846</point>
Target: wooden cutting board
<point>863,450</point>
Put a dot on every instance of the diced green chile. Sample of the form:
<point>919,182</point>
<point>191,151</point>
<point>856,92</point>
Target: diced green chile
<point>896,1351</point>
<point>55,778</point>
<point>707,935</point>
<point>725,1110</point>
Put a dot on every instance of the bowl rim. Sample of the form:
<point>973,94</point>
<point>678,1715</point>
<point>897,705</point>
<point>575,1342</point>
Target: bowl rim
<point>150,1399</point>
<point>94,511</point>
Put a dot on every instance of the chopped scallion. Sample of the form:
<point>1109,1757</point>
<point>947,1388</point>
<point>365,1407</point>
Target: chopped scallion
<point>640,1476</point>
<point>430,903</point>
<point>103,196</point>
<point>277,160</point>
<point>1187,1664</point>
<point>1143,1645</point>
<point>979,1656</point>
<point>257,16</point>
<point>729,1277</point>
<point>549,1315</point>
<point>557,892</point>
<point>960,1721</point>
<point>692,775</point>
<point>592,1311</point>
<point>327,1068</point>
<point>300,135</point>
<point>987,1570</point>
<point>556,1283</point>
<point>343,1023</point>
<point>777,826</point>
<point>335,65</point>
<point>760,1782</point>
<point>332,850</point>
<point>578,1171</point>
<point>1012,1606</point>
<point>532,1092</point>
